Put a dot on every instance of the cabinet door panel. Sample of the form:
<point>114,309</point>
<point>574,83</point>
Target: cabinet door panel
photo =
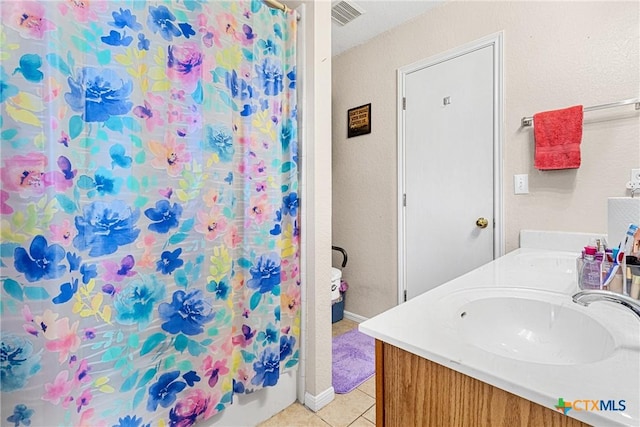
<point>412,391</point>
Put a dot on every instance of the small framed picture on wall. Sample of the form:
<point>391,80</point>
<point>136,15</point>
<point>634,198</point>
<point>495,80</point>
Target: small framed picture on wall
<point>359,120</point>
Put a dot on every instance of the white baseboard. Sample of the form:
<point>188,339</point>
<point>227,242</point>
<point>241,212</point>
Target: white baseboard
<point>355,317</point>
<point>315,403</point>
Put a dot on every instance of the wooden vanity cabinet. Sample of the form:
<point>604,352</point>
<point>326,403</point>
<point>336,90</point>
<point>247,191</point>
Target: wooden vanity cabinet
<point>413,391</point>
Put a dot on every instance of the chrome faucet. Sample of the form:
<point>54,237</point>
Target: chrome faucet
<point>587,297</point>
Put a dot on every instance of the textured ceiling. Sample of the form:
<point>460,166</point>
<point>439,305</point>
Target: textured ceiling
<point>379,16</point>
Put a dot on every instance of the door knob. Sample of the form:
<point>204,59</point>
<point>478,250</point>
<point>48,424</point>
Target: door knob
<point>482,222</point>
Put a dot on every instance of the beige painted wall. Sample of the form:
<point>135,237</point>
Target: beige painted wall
<point>556,54</point>
<point>316,200</point>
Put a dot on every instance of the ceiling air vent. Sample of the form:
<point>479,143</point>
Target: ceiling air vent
<point>344,12</point>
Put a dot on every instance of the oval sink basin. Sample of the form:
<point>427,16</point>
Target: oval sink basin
<point>534,330</point>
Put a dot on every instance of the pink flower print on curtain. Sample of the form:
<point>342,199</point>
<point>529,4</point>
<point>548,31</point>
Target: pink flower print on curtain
<point>27,18</point>
<point>24,174</point>
<point>149,209</point>
<point>170,155</point>
<point>184,64</point>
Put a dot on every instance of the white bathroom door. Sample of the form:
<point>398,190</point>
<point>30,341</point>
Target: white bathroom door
<point>449,138</point>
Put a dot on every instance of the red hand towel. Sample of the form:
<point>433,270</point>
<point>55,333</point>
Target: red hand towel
<point>558,135</point>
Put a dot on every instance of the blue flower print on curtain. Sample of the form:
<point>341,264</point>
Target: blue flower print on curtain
<point>41,262</point>
<point>105,227</point>
<point>21,416</point>
<point>164,215</point>
<point>88,271</point>
<point>287,345</point>
<point>270,74</point>
<point>7,90</point>
<point>162,20</point>
<point>265,275</point>
<point>164,392</point>
<point>124,18</point>
<point>267,368</point>
<point>239,87</point>
<point>135,303</point>
<point>169,261</point>
<point>99,94</point>
<point>18,362</point>
<point>149,209</point>
<point>290,204</point>
<point>105,183</point>
<point>187,313</point>
<point>220,141</point>
<point>131,421</point>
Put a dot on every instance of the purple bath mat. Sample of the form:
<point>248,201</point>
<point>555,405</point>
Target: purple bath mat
<point>353,360</point>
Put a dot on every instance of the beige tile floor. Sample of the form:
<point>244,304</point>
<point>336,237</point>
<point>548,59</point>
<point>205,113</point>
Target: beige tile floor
<point>354,409</point>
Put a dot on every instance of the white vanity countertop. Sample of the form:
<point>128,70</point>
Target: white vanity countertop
<point>421,326</point>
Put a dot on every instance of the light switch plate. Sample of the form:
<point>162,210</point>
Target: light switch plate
<point>634,183</point>
<point>521,184</point>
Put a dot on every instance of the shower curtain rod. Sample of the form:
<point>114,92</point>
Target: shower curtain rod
<point>528,121</point>
<point>275,4</point>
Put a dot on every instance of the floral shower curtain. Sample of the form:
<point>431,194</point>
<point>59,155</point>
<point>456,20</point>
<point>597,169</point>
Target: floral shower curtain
<point>149,209</point>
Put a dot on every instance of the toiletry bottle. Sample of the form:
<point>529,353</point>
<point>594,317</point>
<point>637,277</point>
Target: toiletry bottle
<point>616,283</point>
<point>603,265</point>
<point>634,288</point>
<point>634,292</point>
<point>590,273</point>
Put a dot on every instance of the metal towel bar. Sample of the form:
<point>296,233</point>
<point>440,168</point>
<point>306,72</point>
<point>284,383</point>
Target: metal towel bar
<point>528,121</point>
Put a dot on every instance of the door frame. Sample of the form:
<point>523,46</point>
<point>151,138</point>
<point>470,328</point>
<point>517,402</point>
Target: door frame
<point>495,40</point>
